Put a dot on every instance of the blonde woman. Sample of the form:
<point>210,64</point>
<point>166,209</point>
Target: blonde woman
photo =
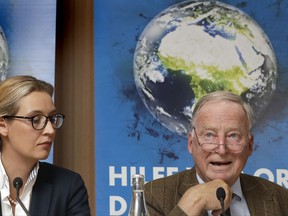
<point>28,124</point>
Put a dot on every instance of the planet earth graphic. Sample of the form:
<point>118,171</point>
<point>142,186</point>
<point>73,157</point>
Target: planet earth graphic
<point>4,57</point>
<point>196,47</point>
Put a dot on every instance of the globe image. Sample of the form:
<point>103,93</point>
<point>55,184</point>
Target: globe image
<point>196,47</point>
<point>4,58</point>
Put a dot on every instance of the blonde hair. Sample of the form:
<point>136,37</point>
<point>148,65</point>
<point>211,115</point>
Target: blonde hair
<point>224,96</point>
<point>17,87</point>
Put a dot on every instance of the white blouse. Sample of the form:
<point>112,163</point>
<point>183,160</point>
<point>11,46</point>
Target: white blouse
<point>25,196</point>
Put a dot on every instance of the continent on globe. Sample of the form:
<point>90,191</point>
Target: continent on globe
<point>193,48</point>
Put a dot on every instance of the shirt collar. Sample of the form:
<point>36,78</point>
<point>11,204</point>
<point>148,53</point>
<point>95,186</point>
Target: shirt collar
<point>237,190</point>
<point>3,176</point>
<point>4,181</point>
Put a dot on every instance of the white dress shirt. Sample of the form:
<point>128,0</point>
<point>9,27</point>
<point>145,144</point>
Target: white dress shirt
<point>25,196</point>
<point>238,205</point>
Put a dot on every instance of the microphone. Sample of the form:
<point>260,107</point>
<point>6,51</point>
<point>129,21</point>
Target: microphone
<point>18,183</point>
<point>221,194</point>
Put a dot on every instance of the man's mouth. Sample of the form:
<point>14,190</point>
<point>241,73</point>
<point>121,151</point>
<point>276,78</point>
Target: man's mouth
<point>220,163</point>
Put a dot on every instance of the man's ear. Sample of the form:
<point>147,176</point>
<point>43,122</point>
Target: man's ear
<point>251,144</point>
<point>190,142</point>
<point>3,127</point>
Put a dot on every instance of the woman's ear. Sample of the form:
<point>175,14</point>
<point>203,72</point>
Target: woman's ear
<point>3,127</point>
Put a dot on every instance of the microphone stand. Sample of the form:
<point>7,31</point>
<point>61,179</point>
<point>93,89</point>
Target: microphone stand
<point>220,193</point>
<point>17,183</point>
<point>222,207</point>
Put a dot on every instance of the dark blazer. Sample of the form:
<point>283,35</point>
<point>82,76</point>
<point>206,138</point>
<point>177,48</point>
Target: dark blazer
<point>58,192</point>
<point>263,197</point>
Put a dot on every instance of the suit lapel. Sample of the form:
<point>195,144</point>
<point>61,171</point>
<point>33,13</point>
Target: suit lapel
<point>41,200</point>
<point>41,194</point>
<point>255,194</point>
<point>189,180</point>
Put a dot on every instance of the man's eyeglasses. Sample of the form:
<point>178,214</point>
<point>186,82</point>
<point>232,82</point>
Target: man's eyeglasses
<point>40,121</point>
<point>231,146</point>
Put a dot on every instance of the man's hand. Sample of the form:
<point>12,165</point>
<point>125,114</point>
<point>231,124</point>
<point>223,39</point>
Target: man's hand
<point>202,197</point>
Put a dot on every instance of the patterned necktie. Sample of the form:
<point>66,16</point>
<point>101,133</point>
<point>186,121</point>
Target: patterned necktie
<point>227,213</point>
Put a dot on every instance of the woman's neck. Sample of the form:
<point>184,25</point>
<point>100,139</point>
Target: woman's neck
<point>16,167</point>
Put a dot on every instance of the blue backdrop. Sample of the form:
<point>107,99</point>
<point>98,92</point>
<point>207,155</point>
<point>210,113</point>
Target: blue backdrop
<point>130,140</point>
<point>29,27</point>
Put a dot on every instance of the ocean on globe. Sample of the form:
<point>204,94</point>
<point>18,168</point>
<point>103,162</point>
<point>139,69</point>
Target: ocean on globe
<point>196,47</point>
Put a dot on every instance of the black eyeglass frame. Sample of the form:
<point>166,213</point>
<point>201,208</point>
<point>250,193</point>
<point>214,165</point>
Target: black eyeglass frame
<point>217,144</point>
<point>31,119</point>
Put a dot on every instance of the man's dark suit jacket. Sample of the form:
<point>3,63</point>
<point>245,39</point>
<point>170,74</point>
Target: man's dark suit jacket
<point>58,192</point>
<point>264,198</point>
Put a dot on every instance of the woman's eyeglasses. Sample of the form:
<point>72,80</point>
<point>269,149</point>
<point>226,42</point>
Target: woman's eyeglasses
<point>40,121</point>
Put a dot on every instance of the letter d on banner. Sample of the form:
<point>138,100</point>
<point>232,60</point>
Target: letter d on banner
<point>121,201</point>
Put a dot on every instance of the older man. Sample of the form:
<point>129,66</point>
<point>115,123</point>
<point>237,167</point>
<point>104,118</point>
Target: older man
<point>220,143</point>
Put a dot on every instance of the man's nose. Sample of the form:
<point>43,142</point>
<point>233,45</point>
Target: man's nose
<point>221,148</point>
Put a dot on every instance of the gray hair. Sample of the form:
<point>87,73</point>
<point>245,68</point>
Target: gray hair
<point>224,96</point>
